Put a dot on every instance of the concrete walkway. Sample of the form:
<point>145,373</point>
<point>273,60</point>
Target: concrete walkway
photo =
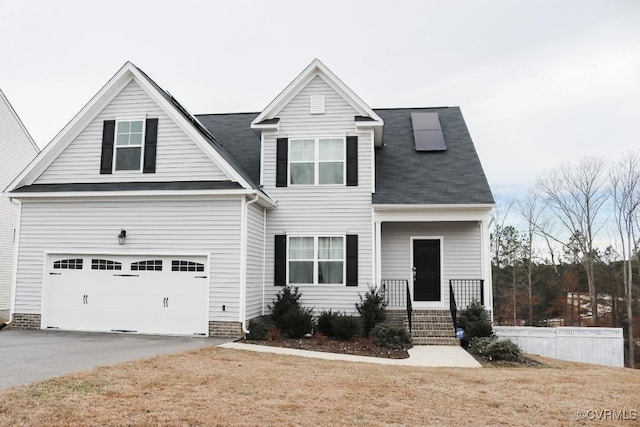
<point>428,356</point>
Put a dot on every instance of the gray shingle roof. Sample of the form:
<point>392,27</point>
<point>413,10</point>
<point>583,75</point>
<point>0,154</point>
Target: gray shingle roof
<point>404,176</point>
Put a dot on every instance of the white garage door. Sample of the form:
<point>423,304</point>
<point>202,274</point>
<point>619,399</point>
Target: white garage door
<point>145,294</point>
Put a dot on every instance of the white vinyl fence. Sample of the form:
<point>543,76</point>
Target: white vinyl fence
<point>599,346</point>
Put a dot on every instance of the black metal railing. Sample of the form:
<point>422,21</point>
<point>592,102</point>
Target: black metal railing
<point>467,291</point>
<point>453,307</point>
<point>397,294</point>
<point>409,307</point>
<point>394,292</point>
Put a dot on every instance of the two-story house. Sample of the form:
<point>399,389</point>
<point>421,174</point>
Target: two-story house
<point>141,217</point>
<point>18,149</point>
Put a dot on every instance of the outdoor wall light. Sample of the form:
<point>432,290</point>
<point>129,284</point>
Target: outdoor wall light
<point>122,236</point>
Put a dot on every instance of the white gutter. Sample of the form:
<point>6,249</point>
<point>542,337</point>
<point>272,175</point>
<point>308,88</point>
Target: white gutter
<point>243,262</point>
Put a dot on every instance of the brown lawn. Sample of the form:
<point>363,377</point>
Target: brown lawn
<point>229,387</point>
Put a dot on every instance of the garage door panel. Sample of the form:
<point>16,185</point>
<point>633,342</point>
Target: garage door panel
<point>129,293</point>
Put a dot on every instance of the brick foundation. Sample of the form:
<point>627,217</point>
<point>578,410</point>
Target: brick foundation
<point>26,321</point>
<point>225,329</point>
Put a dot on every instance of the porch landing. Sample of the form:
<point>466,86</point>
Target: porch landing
<point>426,356</point>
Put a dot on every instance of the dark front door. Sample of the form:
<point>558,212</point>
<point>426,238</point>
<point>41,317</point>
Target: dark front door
<point>426,267</point>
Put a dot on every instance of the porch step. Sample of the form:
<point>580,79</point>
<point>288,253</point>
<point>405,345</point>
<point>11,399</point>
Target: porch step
<point>428,327</point>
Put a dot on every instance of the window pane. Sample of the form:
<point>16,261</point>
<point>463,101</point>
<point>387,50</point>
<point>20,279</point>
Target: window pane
<point>301,150</point>
<point>127,159</point>
<point>136,127</point>
<point>331,149</point>
<point>135,139</point>
<point>302,173</point>
<point>123,127</point>
<point>122,139</point>
<point>330,248</point>
<point>301,272</point>
<point>301,248</point>
<point>331,173</point>
<point>330,272</point>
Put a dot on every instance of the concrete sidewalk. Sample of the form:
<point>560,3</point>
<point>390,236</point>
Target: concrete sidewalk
<point>428,356</point>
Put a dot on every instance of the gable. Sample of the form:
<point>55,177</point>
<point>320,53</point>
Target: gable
<point>178,158</point>
<point>15,143</point>
<point>297,117</point>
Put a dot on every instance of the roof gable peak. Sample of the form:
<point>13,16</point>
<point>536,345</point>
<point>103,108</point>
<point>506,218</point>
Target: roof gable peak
<point>314,69</point>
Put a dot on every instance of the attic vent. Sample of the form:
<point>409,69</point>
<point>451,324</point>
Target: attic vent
<point>427,133</point>
<point>317,104</point>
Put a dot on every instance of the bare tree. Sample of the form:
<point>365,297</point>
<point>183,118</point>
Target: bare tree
<point>530,210</point>
<point>625,183</point>
<point>575,195</point>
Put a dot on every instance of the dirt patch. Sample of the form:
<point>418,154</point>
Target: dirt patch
<point>359,346</point>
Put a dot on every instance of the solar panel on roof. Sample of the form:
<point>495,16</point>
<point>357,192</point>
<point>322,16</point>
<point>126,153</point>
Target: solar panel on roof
<point>427,133</point>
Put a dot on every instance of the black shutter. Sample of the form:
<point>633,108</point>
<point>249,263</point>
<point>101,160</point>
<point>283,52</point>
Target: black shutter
<point>352,260</point>
<point>280,270</point>
<point>282,157</point>
<point>108,133</point>
<point>352,160</point>
<point>150,144</point>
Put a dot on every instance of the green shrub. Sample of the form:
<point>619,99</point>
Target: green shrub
<point>287,300</point>
<point>325,321</point>
<point>391,336</point>
<point>475,321</point>
<point>493,348</point>
<point>503,349</point>
<point>371,309</point>
<point>258,330</point>
<point>478,345</point>
<point>296,323</point>
<point>345,326</point>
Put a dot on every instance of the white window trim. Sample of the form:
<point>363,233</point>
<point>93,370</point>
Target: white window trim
<point>317,161</point>
<point>316,259</point>
<point>115,145</point>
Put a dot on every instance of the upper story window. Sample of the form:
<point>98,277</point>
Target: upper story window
<point>317,161</point>
<point>128,145</point>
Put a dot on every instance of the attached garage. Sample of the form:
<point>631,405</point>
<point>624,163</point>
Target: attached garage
<point>126,293</point>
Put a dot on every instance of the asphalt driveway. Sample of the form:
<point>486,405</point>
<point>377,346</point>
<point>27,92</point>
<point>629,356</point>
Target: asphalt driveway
<point>30,356</point>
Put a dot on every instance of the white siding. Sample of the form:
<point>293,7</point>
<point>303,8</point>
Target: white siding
<point>255,260</point>
<point>17,151</point>
<point>188,225</point>
<point>461,250</point>
<point>318,210</point>
<point>178,157</point>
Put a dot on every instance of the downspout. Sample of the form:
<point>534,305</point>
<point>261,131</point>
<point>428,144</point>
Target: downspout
<point>264,255</point>
<point>243,263</point>
<point>14,270</point>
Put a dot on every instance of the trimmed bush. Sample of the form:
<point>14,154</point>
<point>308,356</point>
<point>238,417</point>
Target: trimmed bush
<point>475,321</point>
<point>287,300</point>
<point>296,323</point>
<point>391,336</point>
<point>503,349</point>
<point>325,322</point>
<point>371,309</point>
<point>478,345</point>
<point>258,330</point>
<point>345,327</point>
<point>493,348</point>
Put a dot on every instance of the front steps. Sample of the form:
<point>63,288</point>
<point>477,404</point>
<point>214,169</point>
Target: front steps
<point>428,327</point>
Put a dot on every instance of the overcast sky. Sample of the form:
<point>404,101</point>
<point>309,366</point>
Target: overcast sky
<point>539,82</point>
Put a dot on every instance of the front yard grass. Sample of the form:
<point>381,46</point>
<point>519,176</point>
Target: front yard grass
<point>217,386</point>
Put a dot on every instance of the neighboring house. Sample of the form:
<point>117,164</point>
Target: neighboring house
<point>18,149</point>
<point>216,212</point>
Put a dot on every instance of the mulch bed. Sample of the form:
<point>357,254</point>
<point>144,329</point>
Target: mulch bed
<point>357,346</point>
